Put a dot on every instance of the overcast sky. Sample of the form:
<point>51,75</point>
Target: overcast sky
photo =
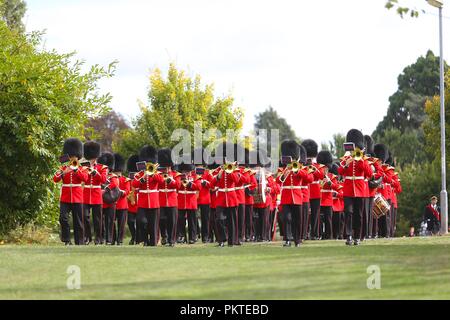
<point>326,66</point>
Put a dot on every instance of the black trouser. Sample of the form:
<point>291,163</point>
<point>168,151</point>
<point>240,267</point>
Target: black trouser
<point>314,220</point>
<point>226,224</point>
<point>78,224</point>
<point>249,230</point>
<point>353,216</point>
<point>393,220</point>
<point>168,224</point>
<point>181,225</point>
<point>327,213</point>
<point>110,218</point>
<point>205,219</point>
<point>384,224</point>
<point>191,216</point>
<point>338,225</point>
<point>97,216</point>
<point>293,222</point>
<point>280,221</point>
<point>370,217</point>
<point>147,220</point>
<point>365,219</point>
<point>262,229</point>
<point>212,225</point>
<point>131,220</point>
<point>305,213</point>
<point>240,222</point>
<point>119,225</point>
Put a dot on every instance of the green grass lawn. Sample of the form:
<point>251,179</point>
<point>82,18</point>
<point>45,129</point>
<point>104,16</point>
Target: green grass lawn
<point>416,268</point>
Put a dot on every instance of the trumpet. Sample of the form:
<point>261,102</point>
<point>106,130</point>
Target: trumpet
<point>229,167</point>
<point>357,154</point>
<point>151,168</point>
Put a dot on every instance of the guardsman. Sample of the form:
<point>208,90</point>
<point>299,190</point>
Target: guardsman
<point>109,206</point>
<point>382,153</point>
<point>329,185</point>
<point>291,193</point>
<point>72,175</point>
<point>122,203</point>
<point>373,185</point>
<point>240,193</point>
<point>92,192</point>
<point>226,180</point>
<point>147,180</point>
<point>168,198</point>
<point>314,188</point>
<point>354,169</point>
<point>213,169</point>
<point>338,206</point>
<point>132,200</point>
<point>249,200</point>
<point>397,189</point>
<point>261,205</point>
<point>204,194</point>
<point>432,216</point>
<point>187,201</point>
<point>305,191</point>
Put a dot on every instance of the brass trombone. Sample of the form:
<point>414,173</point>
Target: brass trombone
<point>151,168</point>
<point>229,167</point>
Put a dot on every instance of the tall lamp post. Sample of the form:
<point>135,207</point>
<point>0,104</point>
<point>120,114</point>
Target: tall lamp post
<point>444,205</point>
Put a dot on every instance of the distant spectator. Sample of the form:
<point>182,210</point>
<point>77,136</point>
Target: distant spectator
<point>432,216</point>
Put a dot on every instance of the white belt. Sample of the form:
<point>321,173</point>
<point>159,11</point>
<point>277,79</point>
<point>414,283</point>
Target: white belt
<point>148,191</point>
<point>167,190</point>
<point>187,192</point>
<point>92,187</point>
<point>240,188</point>
<point>304,187</point>
<point>71,185</point>
<point>315,182</point>
<point>354,178</point>
<point>291,187</point>
<point>226,189</point>
<point>326,190</point>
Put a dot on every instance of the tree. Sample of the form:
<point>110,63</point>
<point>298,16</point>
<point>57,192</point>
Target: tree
<point>270,119</point>
<point>44,99</point>
<point>401,10</point>
<point>336,147</point>
<point>12,12</point>
<point>178,102</point>
<point>105,129</point>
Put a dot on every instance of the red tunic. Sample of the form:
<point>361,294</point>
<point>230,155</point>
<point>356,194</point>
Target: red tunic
<point>314,186</point>
<point>124,185</point>
<point>204,196</point>
<point>148,190</point>
<point>72,190</point>
<point>168,196</point>
<point>291,192</point>
<point>355,175</point>
<point>240,185</point>
<point>226,194</point>
<point>327,191</point>
<point>92,192</point>
<point>187,196</point>
<point>306,183</point>
<point>112,182</point>
<point>338,199</point>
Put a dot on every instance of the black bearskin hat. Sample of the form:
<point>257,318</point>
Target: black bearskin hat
<point>107,159</point>
<point>303,154</point>
<point>185,167</point>
<point>148,154</point>
<point>324,157</point>
<point>290,148</point>
<point>381,152</point>
<point>73,147</point>
<point>131,163</point>
<point>368,143</point>
<point>356,137</point>
<point>119,163</point>
<point>311,148</point>
<point>334,168</point>
<point>91,150</point>
<point>165,157</point>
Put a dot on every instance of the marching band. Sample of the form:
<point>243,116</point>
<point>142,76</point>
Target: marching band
<point>229,200</point>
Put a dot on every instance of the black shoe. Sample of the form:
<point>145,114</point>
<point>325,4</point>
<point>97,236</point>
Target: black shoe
<point>119,243</point>
<point>221,244</point>
<point>191,241</point>
<point>297,244</point>
<point>356,242</point>
<point>163,241</point>
<point>180,240</point>
<point>171,245</point>
<point>109,244</point>
<point>238,243</point>
<point>287,244</point>
<point>68,243</point>
<point>349,241</point>
<point>247,240</point>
